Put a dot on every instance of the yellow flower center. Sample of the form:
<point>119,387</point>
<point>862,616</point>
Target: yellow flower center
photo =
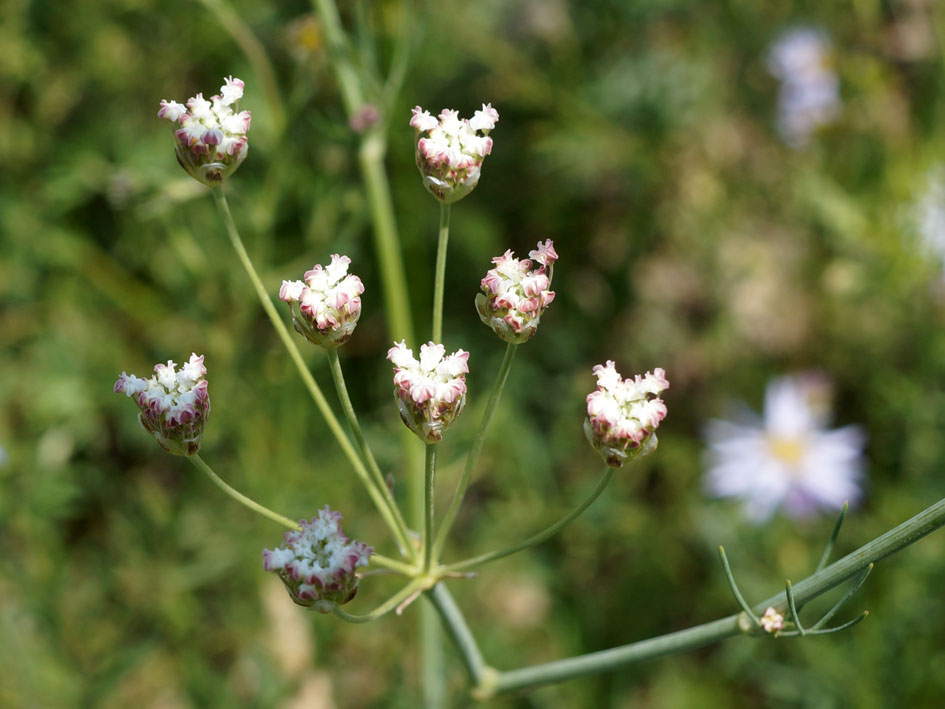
<point>789,450</point>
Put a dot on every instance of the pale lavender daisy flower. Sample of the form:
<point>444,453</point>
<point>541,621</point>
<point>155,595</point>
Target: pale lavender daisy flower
<point>788,459</point>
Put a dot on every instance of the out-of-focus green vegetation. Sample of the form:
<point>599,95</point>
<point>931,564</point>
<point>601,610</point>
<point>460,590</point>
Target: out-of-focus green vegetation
<point>639,136</point>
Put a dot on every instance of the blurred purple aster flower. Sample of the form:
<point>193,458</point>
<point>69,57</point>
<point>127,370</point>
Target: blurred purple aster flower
<point>788,459</point>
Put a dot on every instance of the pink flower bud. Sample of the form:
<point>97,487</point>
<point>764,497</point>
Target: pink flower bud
<point>623,414</point>
<point>431,392</point>
<point>450,151</point>
<point>174,404</point>
<point>318,563</point>
<point>514,295</point>
<point>211,140</point>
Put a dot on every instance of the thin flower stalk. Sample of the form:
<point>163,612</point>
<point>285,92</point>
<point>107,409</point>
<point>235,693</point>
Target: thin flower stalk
<point>541,536</point>
<point>240,497</point>
<point>310,383</point>
<point>393,517</point>
<point>440,278</point>
<point>383,609</point>
<point>475,450</point>
<point>428,499</point>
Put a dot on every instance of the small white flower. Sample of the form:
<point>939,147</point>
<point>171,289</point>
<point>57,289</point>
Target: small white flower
<point>623,414</point>
<point>431,392</point>
<point>788,459</point>
<point>174,405</point>
<point>210,134</point>
<point>317,563</point>
<point>450,151</point>
<point>772,621</point>
<point>809,96</point>
<point>325,306</point>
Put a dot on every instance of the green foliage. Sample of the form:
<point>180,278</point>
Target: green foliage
<point>639,136</point>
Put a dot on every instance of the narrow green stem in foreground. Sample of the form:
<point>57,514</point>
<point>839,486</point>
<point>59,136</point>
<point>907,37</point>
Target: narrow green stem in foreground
<point>439,281</point>
<point>828,550</point>
<point>310,383</point>
<point>734,586</point>
<point>430,471</point>
<point>788,590</point>
<point>240,497</point>
<point>541,536</point>
<point>392,516</point>
<point>383,609</point>
<point>924,523</point>
<point>474,452</point>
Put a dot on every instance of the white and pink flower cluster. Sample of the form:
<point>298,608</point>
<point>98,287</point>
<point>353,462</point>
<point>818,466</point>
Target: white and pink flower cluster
<point>450,149</point>
<point>174,404</point>
<point>317,563</point>
<point>430,392</point>
<point>623,414</point>
<point>326,305</point>
<point>211,134</point>
<point>515,294</point>
<point>772,621</point>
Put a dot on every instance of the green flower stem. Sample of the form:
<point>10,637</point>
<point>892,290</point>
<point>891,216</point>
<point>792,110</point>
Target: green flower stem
<point>828,550</point>
<point>383,609</point>
<point>240,497</point>
<point>788,590</point>
<point>430,471</point>
<point>474,452</point>
<point>734,586</point>
<point>459,632</point>
<point>296,357</point>
<point>541,536</point>
<point>391,512</point>
<point>394,565</point>
<point>853,564</point>
<point>439,281</point>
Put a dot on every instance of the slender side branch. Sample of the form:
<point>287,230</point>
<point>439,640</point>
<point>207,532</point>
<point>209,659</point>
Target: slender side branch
<point>296,356</point>
<point>240,497</point>
<point>828,550</point>
<point>459,631</point>
<point>474,452</point>
<point>383,609</point>
<point>439,280</point>
<point>541,536</point>
<point>393,517</point>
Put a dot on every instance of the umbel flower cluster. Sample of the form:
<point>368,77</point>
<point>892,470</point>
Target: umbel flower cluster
<point>210,134</point>
<point>174,404</point>
<point>327,304</point>
<point>431,391</point>
<point>623,414</point>
<point>450,150</point>
<point>317,563</point>
<point>514,295</point>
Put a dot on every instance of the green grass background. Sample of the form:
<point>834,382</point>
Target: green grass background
<point>639,136</point>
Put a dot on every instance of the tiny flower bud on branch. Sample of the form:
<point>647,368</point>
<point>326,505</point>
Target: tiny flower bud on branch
<point>327,304</point>
<point>772,621</point>
<point>450,150</point>
<point>430,392</point>
<point>623,414</point>
<point>515,295</point>
<point>174,404</point>
<point>317,563</point>
<point>210,134</point>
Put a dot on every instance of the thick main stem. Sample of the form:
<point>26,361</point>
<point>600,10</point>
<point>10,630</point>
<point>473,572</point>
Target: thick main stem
<point>439,280</point>
<point>240,497</point>
<point>493,682</point>
<point>296,357</point>
<point>476,449</point>
<point>544,534</point>
<point>393,517</point>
